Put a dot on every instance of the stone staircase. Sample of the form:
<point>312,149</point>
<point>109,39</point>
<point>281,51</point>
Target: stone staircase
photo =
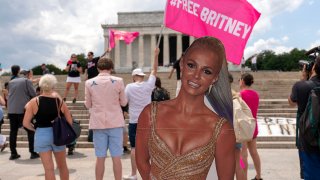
<point>275,115</point>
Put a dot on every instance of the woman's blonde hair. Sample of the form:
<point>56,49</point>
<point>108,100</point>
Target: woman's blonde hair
<point>47,82</point>
<point>219,96</point>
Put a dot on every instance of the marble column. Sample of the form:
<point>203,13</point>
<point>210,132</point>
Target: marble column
<point>117,55</point>
<point>152,48</point>
<point>179,45</point>
<point>141,51</point>
<point>129,55</point>
<point>191,39</point>
<point>106,42</point>
<point>166,59</point>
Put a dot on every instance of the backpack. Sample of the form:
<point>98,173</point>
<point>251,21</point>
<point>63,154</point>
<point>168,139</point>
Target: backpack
<point>160,94</point>
<point>309,124</point>
<point>243,122</point>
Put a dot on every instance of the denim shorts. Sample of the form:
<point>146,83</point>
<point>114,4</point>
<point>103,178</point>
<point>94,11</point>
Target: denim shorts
<point>104,139</point>
<point>43,141</point>
<point>132,134</point>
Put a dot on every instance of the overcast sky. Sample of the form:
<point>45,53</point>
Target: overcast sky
<point>34,32</point>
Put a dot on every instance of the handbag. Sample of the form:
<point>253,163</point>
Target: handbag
<point>243,121</point>
<point>63,133</point>
<point>76,127</point>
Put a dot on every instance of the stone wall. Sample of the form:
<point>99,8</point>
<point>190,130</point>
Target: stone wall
<point>140,18</point>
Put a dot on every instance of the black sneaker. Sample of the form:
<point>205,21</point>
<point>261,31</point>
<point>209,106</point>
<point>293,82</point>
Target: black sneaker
<point>126,150</point>
<point>74,100</point>
<point>70,151</point>
<point>14,156</point>
<point>34,155</point>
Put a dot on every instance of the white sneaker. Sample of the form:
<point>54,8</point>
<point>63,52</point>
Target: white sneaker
<point>130,177</point>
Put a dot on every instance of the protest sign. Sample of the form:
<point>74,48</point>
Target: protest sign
<point>231,21</point>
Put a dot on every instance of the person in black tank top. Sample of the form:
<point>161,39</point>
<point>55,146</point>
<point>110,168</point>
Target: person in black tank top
<point>44,117</point>
<point>44,109</point>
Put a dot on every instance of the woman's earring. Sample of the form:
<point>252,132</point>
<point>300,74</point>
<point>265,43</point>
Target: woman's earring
<point>210,87</point>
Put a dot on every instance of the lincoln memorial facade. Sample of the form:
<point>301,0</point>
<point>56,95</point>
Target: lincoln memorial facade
<point>140,52</point>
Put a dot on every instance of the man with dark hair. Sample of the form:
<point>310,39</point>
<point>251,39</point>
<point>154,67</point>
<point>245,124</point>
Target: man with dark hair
<point>106,118</point>
<point>45,70</point>
<point>92,70</point>
<point>15,69</point>
<point>20,91</point>
<point>309,161</point>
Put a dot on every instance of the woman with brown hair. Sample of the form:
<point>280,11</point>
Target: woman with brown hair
<point>74,70</point>
<point>251,97</point>
<point>180,138</point>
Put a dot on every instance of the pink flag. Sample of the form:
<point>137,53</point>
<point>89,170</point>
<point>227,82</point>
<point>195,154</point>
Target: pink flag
<point>114,35</point>
<point>231,21</point>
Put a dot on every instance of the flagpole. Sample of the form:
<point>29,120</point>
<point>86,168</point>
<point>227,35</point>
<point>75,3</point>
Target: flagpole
<point>159,38</point>
<point>106,51</point>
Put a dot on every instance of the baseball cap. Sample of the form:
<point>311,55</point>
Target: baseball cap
<point>138,72</point>
<point>25,72</point>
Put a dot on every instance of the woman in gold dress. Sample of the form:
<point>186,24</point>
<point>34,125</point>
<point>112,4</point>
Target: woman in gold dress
<point>180,138</point>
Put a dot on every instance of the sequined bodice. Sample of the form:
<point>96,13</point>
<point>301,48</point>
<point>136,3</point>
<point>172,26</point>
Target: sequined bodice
<point>192,165</point>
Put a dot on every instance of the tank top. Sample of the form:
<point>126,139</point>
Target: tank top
<point>47,111</point>
<point>192,165</point>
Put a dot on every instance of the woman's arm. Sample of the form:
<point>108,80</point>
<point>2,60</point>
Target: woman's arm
<point>155,62</point>
<point>67,68</point>
<point>79,69</point>
<point>2,101</point>
<point>29,113</point>
<point>142,148</point>
<point>225,153</point>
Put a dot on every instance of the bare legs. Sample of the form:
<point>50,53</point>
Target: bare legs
<point>62,164</point>
<point>252,147</point>
<point>48,165</point>
<point>239,171</point>
<point>100,168</point>
<point>133,162</point>
<point>117,168</point>
<point>68,86</point>
<point>76,91</point>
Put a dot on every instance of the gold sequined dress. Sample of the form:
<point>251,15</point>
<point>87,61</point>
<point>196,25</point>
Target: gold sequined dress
<point>193,165</point>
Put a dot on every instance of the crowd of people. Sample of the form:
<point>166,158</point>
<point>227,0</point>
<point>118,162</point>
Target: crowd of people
<point>183,145</point>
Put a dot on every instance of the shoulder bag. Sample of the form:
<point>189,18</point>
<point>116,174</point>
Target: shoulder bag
<point>63,132</point>
<point>243,121</point>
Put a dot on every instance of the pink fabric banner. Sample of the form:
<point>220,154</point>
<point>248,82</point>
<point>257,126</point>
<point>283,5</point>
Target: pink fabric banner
<point>231,21</point>
<point>114,35</point>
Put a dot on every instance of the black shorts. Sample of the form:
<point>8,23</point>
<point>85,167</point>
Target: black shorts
<point>132,134</point>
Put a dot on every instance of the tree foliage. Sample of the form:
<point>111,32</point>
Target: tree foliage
<point>52,68</point>
<point>287,61</point>
<point>55,70</point>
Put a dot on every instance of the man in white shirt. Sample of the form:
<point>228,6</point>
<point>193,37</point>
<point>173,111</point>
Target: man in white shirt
<point>254,64</point>
<point>139,95</point>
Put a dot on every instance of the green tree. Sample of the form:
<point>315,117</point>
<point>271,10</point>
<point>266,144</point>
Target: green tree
<point>287,61</point>
<point>52,68</point>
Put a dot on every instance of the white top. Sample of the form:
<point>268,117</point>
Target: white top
<point>254,60</point>
<point>139,95</point>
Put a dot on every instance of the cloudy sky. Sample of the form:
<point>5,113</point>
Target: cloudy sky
<point>34,32</point>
